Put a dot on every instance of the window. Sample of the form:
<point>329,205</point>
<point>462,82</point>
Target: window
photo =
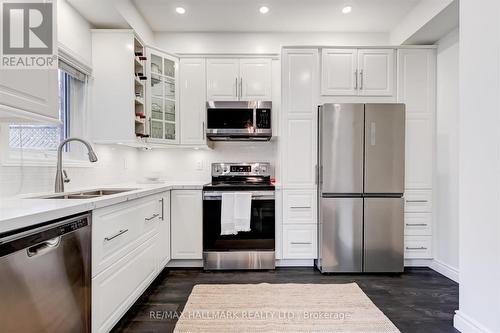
<point>23,144</point>
<point>45,137</point>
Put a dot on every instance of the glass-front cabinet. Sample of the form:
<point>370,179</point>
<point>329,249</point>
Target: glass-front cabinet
<point>162,105</point>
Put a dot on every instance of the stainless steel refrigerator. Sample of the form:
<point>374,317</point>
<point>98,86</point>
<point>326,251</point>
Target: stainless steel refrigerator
<point>361,159</point>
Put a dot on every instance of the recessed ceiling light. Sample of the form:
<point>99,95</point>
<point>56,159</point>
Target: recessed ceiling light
<point>264,10</point>
<point>346,9</point>
<point>180,10</point>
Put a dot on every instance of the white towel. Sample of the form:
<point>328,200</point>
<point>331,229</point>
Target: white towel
<point>227,226</point>
<point>242,211</point>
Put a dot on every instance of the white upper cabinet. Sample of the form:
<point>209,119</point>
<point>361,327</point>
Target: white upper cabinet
<point>376,72</point>
<point>192,101</point>
<point>255,79</point>
<point>357,72</point>
<point>222,79</point>
<point>339,73</point>
<point>239,79</point>
<point>162,97</point>
<point>299,77</point>
<point>29,96</point>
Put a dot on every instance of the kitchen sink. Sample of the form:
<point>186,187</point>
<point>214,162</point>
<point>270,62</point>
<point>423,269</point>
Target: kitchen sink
<point>86,194</point>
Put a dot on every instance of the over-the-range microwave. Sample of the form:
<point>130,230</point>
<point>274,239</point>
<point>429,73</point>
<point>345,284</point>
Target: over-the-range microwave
<point>239,120</point>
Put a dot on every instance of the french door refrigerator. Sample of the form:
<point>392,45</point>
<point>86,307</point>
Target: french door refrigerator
<point>361,160</point>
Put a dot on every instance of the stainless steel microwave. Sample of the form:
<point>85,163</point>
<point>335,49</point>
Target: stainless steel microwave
<point>239,121</point>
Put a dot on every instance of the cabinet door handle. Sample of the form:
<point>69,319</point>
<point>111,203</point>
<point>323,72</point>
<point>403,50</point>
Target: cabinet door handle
<point>151,217</point>
<point>162,202</point>
<point>416,224</point>
<point>236,86</point>
<point>241,87</point>
<point>361,79</point>
<point>299,207</point>
<point>417,201</point>
<point>416,248</point>
<point>203,129</point>
<point>119,233</point>
<point>356,78</point>
<point>301,243</point>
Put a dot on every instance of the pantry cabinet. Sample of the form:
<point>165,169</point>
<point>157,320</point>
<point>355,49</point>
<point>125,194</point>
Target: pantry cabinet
<point>417,89</point>
<point>187,224</point>
<point>29,96</point>
<point>358,72</point>
<point>239,79</point>
<point>300,79</point>
<point>192,101</point>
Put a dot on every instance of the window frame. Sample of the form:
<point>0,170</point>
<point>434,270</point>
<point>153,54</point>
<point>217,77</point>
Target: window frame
<point>43,157</point>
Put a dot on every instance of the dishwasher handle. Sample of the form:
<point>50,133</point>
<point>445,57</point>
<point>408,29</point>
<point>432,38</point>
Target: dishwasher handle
<point>44,247</point>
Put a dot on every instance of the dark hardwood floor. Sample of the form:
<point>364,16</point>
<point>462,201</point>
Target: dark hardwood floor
<point>420,300</point>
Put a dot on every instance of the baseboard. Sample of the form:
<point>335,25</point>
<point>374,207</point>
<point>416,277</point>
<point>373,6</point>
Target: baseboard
<point>294,263</point>
<point>466,324</point>
<point>445,269</point>
<point>418,262</point>
<point>185,263</point>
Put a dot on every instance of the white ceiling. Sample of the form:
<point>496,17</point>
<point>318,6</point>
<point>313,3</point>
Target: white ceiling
<point>244,15</point>
<point>100,13</point>
<point>284,15</point>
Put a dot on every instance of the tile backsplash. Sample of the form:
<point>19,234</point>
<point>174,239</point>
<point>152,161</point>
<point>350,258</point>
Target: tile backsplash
<point>118,164</point>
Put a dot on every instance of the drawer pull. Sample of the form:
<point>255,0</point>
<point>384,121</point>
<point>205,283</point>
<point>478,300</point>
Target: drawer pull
<point>301,243</point>
<point>416,224</point>
<point>152,217</point>
<point>416,248</point>
<point>417,201</point>
<point>300,207</point>
<point>119,233</point>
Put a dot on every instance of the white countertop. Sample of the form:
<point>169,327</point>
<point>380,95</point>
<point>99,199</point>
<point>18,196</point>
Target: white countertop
<point>24,211</point>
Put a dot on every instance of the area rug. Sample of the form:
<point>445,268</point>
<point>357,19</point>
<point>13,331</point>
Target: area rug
<point>281,308</point>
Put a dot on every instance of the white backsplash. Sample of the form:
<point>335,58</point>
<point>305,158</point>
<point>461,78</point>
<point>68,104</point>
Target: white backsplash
<point>119,164</point>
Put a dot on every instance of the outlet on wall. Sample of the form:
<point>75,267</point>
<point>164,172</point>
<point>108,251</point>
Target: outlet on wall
<point>199,165</point>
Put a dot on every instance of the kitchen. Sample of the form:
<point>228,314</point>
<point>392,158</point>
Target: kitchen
<point>207,131</point>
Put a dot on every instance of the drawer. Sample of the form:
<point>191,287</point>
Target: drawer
<point>117,288</point>
<point>418,201</point>
<point>118,229</point>
<point>299,206</point>
<point>418,247</point>
<point>418,224</point>
<point>300,241</point>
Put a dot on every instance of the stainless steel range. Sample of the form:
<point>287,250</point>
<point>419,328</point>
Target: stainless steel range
<point>249,249</point>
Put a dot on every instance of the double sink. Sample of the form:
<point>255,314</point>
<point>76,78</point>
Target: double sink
<point>86,194</point>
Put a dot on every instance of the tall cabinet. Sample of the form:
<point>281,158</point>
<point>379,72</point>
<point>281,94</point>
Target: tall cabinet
<point>417,89</point>
<point>300,78</point>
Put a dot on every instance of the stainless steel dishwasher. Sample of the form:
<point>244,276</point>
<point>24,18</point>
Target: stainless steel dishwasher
<point>45,277</point>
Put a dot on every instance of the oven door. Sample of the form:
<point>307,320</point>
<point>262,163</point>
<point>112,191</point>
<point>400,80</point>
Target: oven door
<point>262,224</point>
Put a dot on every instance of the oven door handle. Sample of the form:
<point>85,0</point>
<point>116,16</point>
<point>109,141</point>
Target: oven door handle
<point>255,196</point>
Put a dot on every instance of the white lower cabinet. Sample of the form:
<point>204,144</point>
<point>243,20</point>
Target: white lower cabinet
<point>130,247</point>
<point>418,247</point>
<point>418,224</point>
<point>118,287</point>
<point>299,206</point>
<point>164,232</point>
<point>300,241</point>
<point>187,224</point>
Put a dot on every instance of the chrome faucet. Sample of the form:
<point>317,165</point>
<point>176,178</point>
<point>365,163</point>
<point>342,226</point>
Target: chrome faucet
<point>61,176</point>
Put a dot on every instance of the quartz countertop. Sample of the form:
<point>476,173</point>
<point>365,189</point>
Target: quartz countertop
<point>27,210</point>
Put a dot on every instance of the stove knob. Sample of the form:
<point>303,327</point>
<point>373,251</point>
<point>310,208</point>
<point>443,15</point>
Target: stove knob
<point>226,169</point>
<point>256,169</point>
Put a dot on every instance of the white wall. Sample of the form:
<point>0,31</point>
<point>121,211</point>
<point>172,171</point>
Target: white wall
<point>181,164</point>
<point>73,32</point>
<point>446,193</point>
<point>199,42</point>
<point>479,167</point>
